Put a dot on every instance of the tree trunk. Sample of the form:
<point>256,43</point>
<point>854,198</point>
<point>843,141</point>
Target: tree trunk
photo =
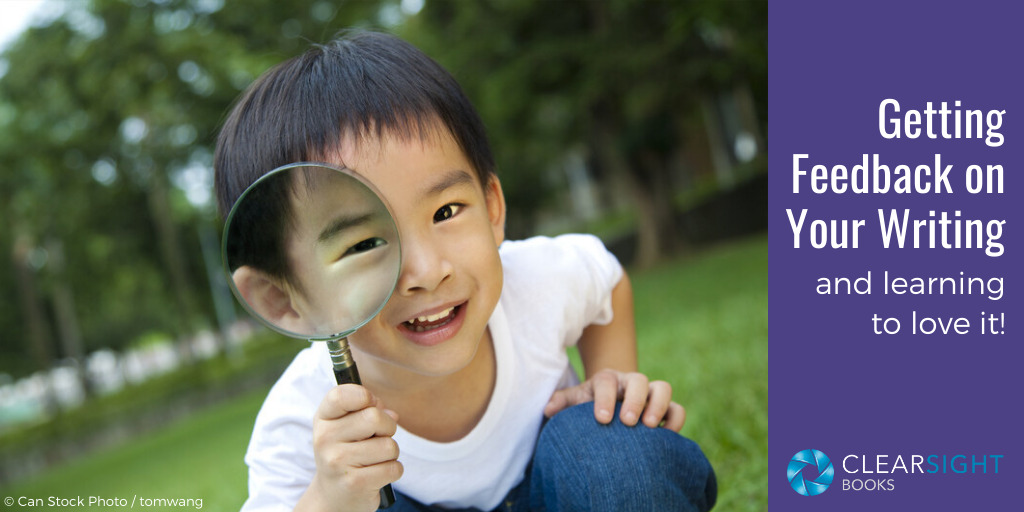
<point>717,144</point>
<point>649,243</point>
<point>67,319</point>
<point>223,303</point>
<point>658,189</point>
<point>39,335</point>
<point>170,248</point>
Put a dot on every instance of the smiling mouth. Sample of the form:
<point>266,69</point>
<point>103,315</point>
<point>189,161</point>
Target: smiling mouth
<point>426,323</point>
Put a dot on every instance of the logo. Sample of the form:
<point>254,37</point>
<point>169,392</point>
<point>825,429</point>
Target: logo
<point>810,472</point>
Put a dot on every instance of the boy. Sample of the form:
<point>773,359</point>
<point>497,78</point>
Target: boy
<point>465,364</point>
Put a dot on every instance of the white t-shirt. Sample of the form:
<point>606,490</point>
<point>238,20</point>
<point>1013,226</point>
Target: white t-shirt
<point>553,289</point>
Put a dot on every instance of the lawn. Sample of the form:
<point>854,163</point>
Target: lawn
<point>199,457</point>
<point>702,324</point>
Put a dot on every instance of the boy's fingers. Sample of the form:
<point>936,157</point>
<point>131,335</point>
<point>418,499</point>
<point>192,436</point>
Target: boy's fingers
<point>368,452</point>
<point>605,385</point>
<point>364,424</point>
<point>568,397</point>
<point>675,417</point>
<point>658,400</point>
<point>634,399</point>
<point>374,476</point>
<point>557,402</point>
<point>343,399</point>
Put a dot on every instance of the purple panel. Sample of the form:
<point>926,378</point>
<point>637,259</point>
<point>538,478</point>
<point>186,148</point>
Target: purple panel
<point>836,386</point>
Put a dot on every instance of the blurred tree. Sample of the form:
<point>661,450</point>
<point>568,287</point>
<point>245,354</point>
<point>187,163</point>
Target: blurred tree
<point>627,80</point>
<point>108,116</point>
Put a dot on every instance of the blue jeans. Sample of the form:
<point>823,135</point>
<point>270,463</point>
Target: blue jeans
<point>582,465</point>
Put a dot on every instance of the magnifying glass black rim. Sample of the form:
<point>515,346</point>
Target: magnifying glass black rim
<point>227,268</point>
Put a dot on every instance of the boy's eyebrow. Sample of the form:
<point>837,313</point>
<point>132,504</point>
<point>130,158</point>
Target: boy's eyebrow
<point>448,180</point>
<point>342,223</point>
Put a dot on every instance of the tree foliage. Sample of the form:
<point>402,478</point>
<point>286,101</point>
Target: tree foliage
<point>108,115</point>
<point>623,80</point>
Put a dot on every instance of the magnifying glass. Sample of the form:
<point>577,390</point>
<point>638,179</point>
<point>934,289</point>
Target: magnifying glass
<point>312,251</point>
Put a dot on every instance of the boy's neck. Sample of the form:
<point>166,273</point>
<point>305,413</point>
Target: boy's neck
<point>442,408</point>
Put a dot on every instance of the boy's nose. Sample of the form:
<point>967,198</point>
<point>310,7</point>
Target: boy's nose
<point>424,268</point>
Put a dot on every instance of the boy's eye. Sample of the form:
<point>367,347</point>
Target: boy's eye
<point>365,245</point>
<point>446,212</point>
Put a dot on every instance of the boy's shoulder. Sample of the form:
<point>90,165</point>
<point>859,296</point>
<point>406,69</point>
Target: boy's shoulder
<point>557,246</point>
<point>554,287</point>
<point>551,260</point>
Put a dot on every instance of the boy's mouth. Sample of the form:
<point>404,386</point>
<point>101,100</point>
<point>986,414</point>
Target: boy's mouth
<point>429,322</point>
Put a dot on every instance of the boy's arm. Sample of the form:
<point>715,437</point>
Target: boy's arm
<point>609,360</point>
<point>612,346</point>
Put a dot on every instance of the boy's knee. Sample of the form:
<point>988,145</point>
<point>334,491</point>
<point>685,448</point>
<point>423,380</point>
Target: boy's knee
<point>577,417</point>
<point>655,464</point>
<point>575,435</point>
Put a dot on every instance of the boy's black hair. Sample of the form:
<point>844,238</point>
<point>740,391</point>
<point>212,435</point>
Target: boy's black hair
<point>361,84</point>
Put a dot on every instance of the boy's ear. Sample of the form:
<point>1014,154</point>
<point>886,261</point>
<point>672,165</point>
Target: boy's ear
<point>268,298</point>
<point>495,208</point>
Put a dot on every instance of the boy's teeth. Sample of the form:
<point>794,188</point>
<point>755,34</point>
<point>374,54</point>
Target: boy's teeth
<point>426,323</point>
<point>434,318</point>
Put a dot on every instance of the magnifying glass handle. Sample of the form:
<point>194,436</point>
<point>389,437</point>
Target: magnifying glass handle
<point>345,372</point>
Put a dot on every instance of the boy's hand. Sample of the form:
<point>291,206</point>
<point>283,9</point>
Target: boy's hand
<point>651,401</point>
<point>355,454</point>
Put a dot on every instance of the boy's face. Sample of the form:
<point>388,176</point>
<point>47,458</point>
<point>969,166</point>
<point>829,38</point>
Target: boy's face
<point>450,227</point>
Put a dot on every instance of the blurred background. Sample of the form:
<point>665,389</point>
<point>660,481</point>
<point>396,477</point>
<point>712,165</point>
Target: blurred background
<point>125,365</point>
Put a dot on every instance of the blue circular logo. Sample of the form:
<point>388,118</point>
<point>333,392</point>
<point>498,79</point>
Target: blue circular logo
<point>817,477</point>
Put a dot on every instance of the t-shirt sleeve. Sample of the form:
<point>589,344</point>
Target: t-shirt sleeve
<point>280,453</point>
<point>573,274</point>
<point>600,271</point>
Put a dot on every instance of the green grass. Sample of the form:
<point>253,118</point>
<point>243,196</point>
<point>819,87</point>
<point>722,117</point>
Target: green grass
<point>199,457</point>
<point>702,325</point>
